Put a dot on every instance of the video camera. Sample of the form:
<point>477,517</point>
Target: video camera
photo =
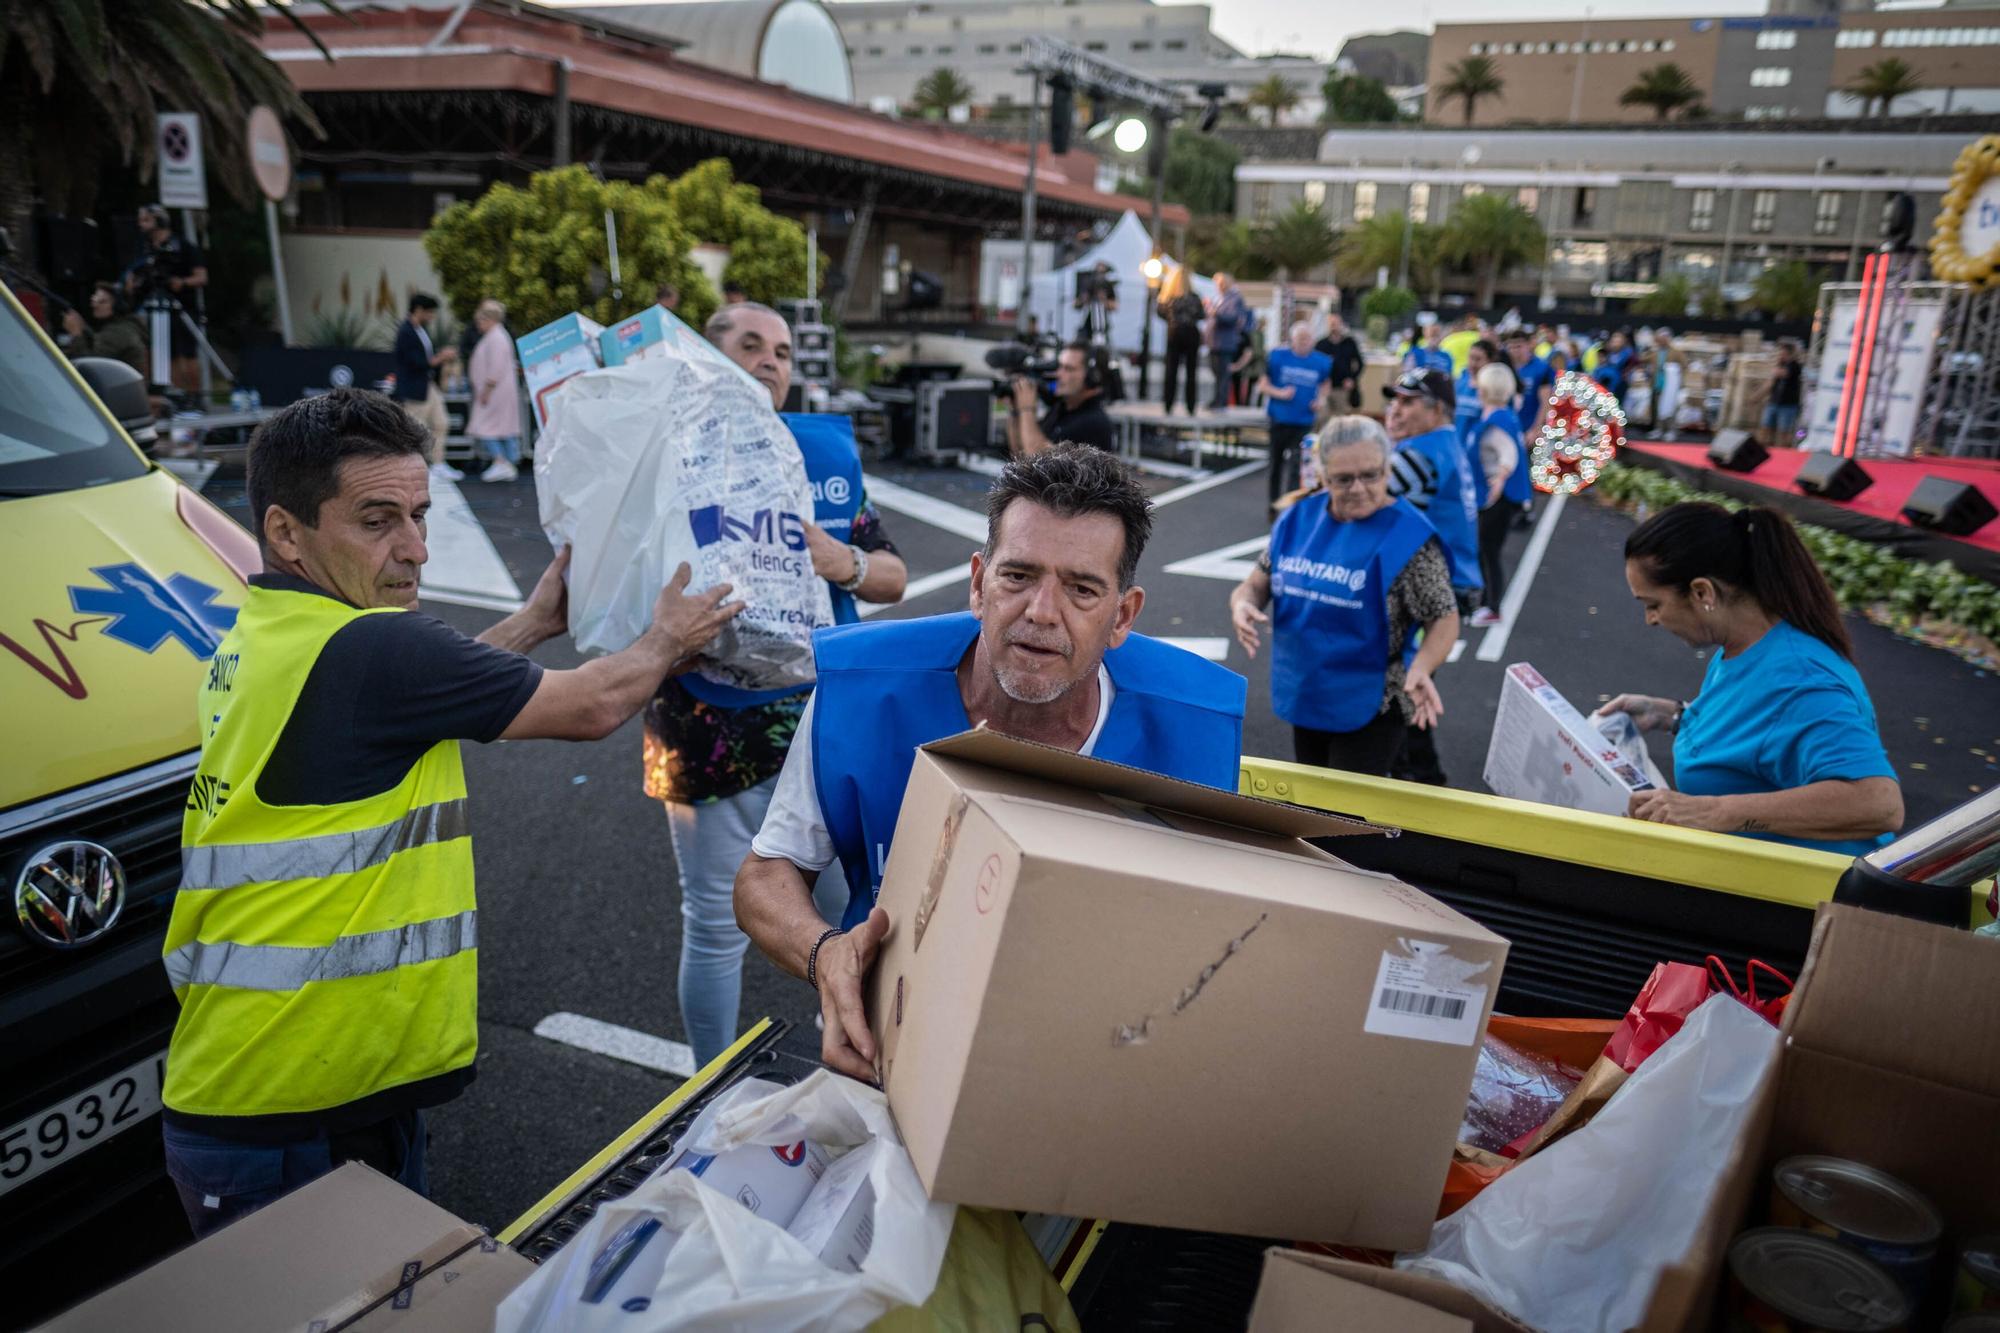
<point>1033,363</point>
<point>1092,285</point>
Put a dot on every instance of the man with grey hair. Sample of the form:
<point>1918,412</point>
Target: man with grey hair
<point>712,753</point>
<point>1294,384</point>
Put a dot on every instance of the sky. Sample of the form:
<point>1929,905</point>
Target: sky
<point>1318,27</point>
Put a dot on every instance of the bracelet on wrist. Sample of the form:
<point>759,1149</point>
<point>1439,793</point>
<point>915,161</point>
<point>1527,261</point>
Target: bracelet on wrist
<point>854,581</point>
<point>812,959</point>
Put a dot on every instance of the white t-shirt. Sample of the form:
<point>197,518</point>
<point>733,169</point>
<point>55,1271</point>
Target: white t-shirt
<point>794,827</point>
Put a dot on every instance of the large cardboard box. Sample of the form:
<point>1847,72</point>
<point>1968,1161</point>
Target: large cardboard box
<point>553,355</point>
<point>650,333</point>
<point>1892,1058</point>
<point>1313,1293</point>
<point>1111,994</point>
<point>1544,750</point>
<point>351,1250</point>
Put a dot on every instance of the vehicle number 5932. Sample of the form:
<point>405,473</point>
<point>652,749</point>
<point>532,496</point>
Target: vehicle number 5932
<point>80,1122</point>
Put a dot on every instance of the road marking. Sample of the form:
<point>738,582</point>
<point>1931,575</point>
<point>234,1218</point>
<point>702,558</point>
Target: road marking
<point>916,588</point>
<point>1457,650</point>
<point>463,564</point>
<point>620,1043</point>
<point>1179,493</point>
<point>1215,649</point>
<point>1225,562</point>
<point>426,593</point>
<point>1495,642</point>
<point>928,509</point>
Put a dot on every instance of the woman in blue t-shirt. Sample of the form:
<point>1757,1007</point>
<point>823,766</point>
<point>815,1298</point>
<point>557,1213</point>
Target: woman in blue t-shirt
<point>1781,742</point>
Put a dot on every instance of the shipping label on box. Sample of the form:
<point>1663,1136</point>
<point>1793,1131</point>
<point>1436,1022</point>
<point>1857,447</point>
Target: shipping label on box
<point>1544,750</point>
<point>553,355</point>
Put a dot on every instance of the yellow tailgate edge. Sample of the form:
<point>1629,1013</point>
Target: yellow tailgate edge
<point>1089,1247</point>
<point>632,1134</point>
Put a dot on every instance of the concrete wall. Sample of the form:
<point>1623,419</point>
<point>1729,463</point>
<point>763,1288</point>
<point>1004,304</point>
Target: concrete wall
<point>372,274</point>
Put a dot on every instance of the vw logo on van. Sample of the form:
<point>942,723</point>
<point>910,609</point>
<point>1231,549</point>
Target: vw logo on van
<point>69,893</point>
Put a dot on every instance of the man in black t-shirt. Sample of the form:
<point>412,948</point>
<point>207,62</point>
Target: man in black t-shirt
<point>1078,414</point>
<point>173,267</point>
<point>1340,348</point>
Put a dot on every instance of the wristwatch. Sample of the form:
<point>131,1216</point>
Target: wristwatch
<point>860,570</point>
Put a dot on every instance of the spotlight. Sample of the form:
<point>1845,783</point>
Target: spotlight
<point>1212,93</point>
<point>1130,136</point>
<point>1102,120</point>
<point>1152,268</point>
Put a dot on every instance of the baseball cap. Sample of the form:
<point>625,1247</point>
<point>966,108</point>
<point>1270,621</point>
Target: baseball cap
<point>1434,385</point>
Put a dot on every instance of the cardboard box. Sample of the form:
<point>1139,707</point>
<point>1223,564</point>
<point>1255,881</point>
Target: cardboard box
<point>555,354</point>
<point>351,1250</point>
<point>650,333</point>
<point>1116,995</point>
<point>1892,1058</point>
<point>1308,1293</point>
<point>1544,750</point>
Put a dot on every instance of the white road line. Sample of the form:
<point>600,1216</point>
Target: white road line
<point>1225,562</point>
<point>620,1043</point>
<point>928,509</point>
<point>944,578</point>
<point>1457,650</point>
<point>1179,493</point>
<point>463,562</point>
<point>1215,649</point>
<point>484,603</point>
<point>1523,582</point>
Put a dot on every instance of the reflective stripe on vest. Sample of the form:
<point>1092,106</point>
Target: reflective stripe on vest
<point>227,865</point>
<point>279,967</point>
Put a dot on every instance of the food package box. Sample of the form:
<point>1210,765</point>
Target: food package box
<point>1544,750</point>
<point>1308,1293</point>
<point>653,332</point>
<point>1891,1059</point>
<point>1116,995</point>
<point>351,1250</point>
<point>553,355</point>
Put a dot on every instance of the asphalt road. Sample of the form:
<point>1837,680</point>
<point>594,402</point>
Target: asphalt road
<point>579,904</point>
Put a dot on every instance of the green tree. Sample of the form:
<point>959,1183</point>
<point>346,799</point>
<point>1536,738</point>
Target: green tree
<point>1883,82</point>
<point>1787,291</point>
<point>81,80</point>
<point>1468,81</point>
<point>1489,234</point>
<point>1224,245</point>
<point>1391,305</point>
<point>1378,244</point>
<point>1297,241</point>
<point>1666,88</point>
<point>1274,97</point>
<point>1201,174</point>
<point>1356,99</point>
<point>939,91</point>
<point>767,251</point>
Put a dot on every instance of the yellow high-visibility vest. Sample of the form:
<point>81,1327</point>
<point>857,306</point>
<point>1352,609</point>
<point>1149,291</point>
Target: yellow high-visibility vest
<point>320,953</point>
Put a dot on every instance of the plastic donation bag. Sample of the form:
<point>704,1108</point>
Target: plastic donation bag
<point>678,1254</point>
<point>679,457</point>
<point>1572,1237</point>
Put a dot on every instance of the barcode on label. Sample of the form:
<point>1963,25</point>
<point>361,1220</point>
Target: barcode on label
<point>1446,1007</point>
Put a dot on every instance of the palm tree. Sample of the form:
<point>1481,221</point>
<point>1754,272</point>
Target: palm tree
<point>939,91</point>
<point>1489,234</point>
<point>1884,82</point>
<point>1787,291</point>
<point>1378,244</point>
<point>1665,88</point>
<point>81,81</point>
<point>1275,95</point>
<point>1297,241</point>
<point>1469,80</point>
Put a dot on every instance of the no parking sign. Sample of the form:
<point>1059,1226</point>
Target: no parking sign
<point>177,141</point>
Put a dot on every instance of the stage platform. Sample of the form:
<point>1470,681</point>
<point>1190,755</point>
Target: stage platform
<point>1874,515</point>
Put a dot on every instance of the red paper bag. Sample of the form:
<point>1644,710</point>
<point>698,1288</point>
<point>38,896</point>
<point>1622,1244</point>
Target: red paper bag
<point>1769,1007</point>
<point>1664,1003</point>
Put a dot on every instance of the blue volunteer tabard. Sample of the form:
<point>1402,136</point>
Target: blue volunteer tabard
<point>1517,487</point>
<point>1454,510</point>
<point>1329,610</point>
<point>888,688</point>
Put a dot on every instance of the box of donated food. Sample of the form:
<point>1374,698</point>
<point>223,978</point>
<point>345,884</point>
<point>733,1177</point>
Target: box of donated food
<point>553,355</point>
<point>1544,750</point>
<point>1111,994</point>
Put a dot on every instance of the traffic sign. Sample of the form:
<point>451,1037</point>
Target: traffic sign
<point>177,141</point>
<point>270,154</point>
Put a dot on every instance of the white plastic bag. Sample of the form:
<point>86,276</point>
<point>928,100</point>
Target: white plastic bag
<point>675,458</point>
<point>1572,1238</point>
<point>677,1254</point>
<point>1624,735</point>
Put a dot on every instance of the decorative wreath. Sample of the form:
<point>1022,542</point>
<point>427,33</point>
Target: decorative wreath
<point>1978,163</point>
<point>1581,434</point>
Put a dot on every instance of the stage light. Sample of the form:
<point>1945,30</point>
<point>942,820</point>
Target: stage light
<point>1102,119</point>
<point>1152,268</point>
<point>1212,93</point>
<point>1130,136</point>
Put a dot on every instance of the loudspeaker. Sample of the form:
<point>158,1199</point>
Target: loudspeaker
<point>1062,113</point>
<point>1832,477</point>
<point>1736,451</point>
<point>1948,506</point>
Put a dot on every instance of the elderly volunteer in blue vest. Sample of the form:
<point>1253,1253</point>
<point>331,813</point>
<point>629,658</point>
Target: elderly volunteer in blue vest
<point>1781,742</point>
<point>1349,576</point>
<point>712,752</point>
<point>1047,654</point>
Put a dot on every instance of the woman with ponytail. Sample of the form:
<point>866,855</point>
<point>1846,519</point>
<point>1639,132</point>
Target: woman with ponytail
<point>1781,742</point>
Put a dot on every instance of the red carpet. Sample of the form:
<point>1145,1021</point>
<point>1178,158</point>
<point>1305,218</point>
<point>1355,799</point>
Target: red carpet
<point>1894,480</point>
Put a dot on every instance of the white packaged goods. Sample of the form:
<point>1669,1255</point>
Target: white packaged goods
<point>679,457</point>
<point>1544,750</point>
<point>678,1254</point>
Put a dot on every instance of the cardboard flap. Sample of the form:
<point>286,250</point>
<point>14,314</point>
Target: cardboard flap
<point>1036,760</point>
<point>1433,1299</point>
<point>1931,1032</point>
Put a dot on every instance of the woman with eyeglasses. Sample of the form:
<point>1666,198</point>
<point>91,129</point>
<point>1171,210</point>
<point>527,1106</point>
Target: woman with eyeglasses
<point>1349,577</point>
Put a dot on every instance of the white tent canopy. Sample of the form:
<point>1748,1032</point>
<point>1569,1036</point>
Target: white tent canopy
<point>1128,246</point>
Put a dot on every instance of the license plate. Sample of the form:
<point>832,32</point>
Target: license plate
<point>80,1122</point>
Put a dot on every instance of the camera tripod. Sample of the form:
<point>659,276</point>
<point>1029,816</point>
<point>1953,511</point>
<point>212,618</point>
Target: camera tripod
<point>160,308</point>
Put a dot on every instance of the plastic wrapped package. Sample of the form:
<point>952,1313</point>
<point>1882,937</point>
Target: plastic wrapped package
<point>1513,1093</point>
<point>679,458</point>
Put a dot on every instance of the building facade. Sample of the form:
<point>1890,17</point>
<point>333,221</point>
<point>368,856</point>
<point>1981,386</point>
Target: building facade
<point>1624,208</point>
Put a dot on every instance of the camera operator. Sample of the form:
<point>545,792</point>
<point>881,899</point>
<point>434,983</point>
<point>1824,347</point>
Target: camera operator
<point>1078,414</point>
<point>1097,297</point>
<point>170,266</point>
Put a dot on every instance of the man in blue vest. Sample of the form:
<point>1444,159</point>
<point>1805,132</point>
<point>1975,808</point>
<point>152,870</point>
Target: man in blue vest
<point>712,752</point>
<point>1047,654</point>
<point>1431,471</point>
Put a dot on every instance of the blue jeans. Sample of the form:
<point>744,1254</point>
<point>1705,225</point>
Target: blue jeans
<point>489,447</point>
<point>221,1180</point>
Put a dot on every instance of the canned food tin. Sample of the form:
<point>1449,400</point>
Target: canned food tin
<point>1864,1209</point>
<point>1978,1286</point>
<point>1792,1281</point>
